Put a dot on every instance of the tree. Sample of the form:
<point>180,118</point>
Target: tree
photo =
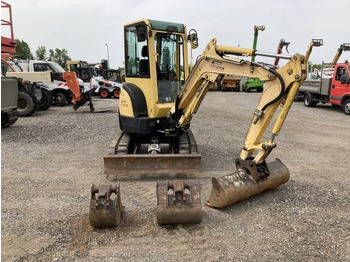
<point>60,56</point>
<point>23,50</point>
<point>40,53</point>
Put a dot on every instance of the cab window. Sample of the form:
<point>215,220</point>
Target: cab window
<point>340,72</point>
<point>5,67</point>
<point>169,65</point>
<point>136,55</point>
<point>41,67</point>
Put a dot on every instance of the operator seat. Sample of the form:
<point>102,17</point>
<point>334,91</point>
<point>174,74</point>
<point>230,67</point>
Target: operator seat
<point>144,64</point>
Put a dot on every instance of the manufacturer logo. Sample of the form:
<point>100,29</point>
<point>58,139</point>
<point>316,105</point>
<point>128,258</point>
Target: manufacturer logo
<point>217,65</point>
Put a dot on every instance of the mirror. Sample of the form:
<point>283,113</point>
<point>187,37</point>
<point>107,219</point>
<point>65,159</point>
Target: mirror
<point>193,38</point>
<point>141,33</point>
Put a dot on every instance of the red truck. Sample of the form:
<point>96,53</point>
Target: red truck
<point>334,89</point>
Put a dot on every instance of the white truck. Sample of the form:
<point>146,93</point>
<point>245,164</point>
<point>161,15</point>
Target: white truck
<point>59,89</point>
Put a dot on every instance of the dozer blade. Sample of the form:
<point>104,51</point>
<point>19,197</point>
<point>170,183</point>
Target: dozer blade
<point>179,202</point>
<point>105,207</point>
<point>230,189</point>
<point>120,161</point>
<point>135,164</point>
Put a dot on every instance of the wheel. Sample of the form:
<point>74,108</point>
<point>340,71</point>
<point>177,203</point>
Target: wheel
<point>8,118</point>
<point>308,101</point>
<point>60,99</point>
<point>104,93</point>
<point>346,107</point>
<point>221,87</point>
<point>27,103</point>
<point>46,100</point>
<point>116,93</point>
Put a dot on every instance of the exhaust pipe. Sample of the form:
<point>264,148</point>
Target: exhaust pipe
<point>230,189</point>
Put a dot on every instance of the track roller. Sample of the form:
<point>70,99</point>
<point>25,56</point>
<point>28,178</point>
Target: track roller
<point>179,202</point>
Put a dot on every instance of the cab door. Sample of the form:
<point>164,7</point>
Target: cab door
<point>338,89</point>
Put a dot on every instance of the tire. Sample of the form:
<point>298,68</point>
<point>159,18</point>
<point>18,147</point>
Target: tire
<point>308,101</point>
<point>8,118</point>
<point>27,104</point>
<point>104,93</point>
<point>46,100</point>
<point>346,107</point>
<point>60,99</point>
<point>116,93</point>
<point>223,88</point>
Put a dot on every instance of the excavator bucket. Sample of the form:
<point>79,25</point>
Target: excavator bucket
<point>230,189</point>
<point>179,202</point>
<point>105,207</point>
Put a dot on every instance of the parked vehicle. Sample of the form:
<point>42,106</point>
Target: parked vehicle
<point>106,89</point>
<point>335,90</point>
<point>332,84</point>
<point>9,98</point>
<point>59,89</point>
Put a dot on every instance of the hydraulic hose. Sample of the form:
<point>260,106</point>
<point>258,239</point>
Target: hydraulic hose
<point>273,71</point>
<point>283,86</point>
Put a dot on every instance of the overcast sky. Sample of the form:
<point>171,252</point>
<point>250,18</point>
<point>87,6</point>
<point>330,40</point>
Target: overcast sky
<point>83,27</point>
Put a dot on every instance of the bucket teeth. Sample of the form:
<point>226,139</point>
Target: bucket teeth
<point>105,206</point>
<point>230,189</point>
<point>179,202</point>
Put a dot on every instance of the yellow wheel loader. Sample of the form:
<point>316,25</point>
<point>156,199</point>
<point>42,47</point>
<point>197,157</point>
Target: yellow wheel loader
<point>159,98</point>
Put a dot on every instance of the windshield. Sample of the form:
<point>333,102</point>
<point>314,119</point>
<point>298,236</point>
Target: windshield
<point>56,67</point>
<point>16,67</point>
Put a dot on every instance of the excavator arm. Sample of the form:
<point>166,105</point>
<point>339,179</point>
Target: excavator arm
<point>253,175</point>
<point>280,88</point>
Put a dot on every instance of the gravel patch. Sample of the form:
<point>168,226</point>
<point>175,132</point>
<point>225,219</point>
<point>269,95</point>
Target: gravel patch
<point>49,162</point>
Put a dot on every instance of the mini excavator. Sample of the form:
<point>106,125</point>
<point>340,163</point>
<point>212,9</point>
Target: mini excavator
<point>157,102</point>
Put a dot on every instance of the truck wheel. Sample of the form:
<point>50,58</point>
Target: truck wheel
<point>27,103</point>
<point>308,101</point>
<point>116,93</point>
<point>346,107</point>
<point>104,93</point>
<point>8,119</point>
<point>60,99</point>
<point>46,100</point>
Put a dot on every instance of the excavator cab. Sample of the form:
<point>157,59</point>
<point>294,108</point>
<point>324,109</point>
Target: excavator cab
<point>156,68</point>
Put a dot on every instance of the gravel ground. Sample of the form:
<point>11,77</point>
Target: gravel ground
<point>50,160</point>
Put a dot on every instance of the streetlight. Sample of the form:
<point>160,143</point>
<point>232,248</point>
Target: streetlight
<point>107,56</point>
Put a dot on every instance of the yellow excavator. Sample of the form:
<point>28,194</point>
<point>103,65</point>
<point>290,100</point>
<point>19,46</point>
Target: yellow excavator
<point>157,102</point>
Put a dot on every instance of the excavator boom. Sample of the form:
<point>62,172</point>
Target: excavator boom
<point>281,84</point>
<point>254,174</point>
